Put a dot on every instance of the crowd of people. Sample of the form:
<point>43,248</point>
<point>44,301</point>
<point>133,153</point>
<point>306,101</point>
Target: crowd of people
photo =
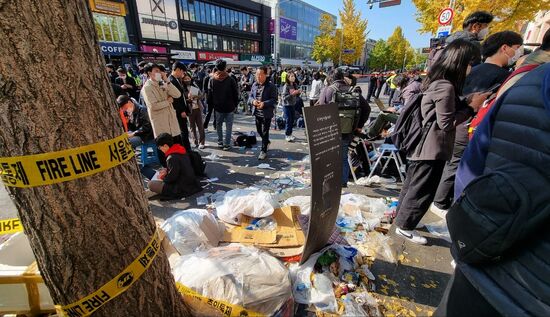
<point>467,100</point>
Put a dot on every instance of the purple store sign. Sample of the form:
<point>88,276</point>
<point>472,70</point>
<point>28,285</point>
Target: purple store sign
<point>288,29</point>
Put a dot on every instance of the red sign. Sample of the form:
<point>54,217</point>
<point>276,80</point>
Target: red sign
<point>389,3</point>
<point>446,16</point>
<point>210,56</point>
<point>153,49</point>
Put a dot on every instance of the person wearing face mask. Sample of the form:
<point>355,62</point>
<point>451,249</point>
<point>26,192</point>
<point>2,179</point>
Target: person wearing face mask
<point>474,29</point>
<point>180,104</point>
<point>194,101</point>
<point>501,50</point>
<point>290,94</point>
<point>127,83</point>
<point>158,94</point>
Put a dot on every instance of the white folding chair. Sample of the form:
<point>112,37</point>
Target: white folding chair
<point>390,152</point>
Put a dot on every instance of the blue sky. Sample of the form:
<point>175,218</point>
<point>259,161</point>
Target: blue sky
<point>382,22</point>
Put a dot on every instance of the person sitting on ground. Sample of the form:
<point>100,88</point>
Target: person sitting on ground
<point>136,119</point>
<point>178,179</point>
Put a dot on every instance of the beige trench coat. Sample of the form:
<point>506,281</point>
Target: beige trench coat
<point>161,112</point>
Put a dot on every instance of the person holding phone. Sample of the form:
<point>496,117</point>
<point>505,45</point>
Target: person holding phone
<point>290,95</point>
<point>501,50</point>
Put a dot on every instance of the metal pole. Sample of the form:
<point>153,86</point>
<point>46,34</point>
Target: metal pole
<point>341,44</point>
<point>276,37</point>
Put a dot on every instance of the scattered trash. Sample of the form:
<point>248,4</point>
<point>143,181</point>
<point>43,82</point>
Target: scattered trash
<point>265,166</point>
<point>212,157</point>
<point>211,180</point>
<point>439,229</point>
<point>304,202</point>
<point>202,200</point>
<point>193,230</point>
<point>260,173</point>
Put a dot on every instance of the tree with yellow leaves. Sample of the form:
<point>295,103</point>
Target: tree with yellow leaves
<point>324,44</point>
<point>399,50</point>
<point>352,41</point>
<point>507,13</point>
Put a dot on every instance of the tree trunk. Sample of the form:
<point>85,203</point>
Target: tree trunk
<point>55,95</point>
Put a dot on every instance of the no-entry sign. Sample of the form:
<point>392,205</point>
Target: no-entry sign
<point>446,16</point>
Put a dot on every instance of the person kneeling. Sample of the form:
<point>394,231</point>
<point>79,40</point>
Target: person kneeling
<point>178,179</point>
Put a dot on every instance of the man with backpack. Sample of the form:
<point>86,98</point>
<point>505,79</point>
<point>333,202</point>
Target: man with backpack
<point>353,112</point>
<point>498,225</point>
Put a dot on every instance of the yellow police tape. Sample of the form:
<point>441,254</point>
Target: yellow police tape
<point>62,166</point>
<point>117,285</point>
<point>8,226</point>
<point>227,309</point>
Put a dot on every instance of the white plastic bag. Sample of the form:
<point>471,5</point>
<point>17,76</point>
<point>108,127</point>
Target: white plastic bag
<point>250,201</point>
<point>193,230</point>
<point>304,202</point>
<point>236,274</point>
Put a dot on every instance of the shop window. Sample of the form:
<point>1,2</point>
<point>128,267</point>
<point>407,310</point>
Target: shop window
<point>110,28</point>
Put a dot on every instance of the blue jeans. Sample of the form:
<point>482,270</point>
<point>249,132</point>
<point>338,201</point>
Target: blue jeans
<point>135,141</point>
<point>346,140</point>
<point>289,116</point>
<point>228,119</point>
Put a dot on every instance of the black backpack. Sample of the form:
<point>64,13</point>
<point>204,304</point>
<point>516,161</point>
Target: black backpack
<point>198,164</point>
<point>349,109</point>
<point>408,130</point>
<point>246,140</point>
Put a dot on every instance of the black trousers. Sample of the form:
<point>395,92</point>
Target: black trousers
<point>462,299</point>
<point>418,192</point>
<point>208,115</point>
<point>392,93</point>
<point>184,127</point>
<point>262,126</point>
<point>372,89</point>
<point>379,90</point>
<point>445,191</point>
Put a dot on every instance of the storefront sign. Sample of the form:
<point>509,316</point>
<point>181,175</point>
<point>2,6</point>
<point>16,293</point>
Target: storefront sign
<point>158,19</point>
<point>153,49</point>
<point>288,29</point>
<point>186,55</point>
<point>108,7</point>
<point>210,56</point>
<point>116,49</point>
<point>325,150</point>
<point>265,59</point>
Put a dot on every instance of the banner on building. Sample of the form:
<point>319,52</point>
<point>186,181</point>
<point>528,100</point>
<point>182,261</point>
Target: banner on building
<point>108,7</point>
<point>158,20</point>
<point>116,49</point>
<point>288,29</point>
<point>185,55</point>
<point>210,56</point>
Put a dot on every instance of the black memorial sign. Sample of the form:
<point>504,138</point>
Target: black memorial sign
<point>325,151</point>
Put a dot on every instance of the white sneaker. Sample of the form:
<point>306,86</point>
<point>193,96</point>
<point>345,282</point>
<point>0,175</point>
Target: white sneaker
<point>438,211</point>
<point>262,155</point>
<point>411,235</point>
<point>202,146</point>
<point>453,264</point>
<point>290,138</point>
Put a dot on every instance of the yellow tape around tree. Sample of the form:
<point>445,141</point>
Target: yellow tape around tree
<point>226,309</point>
<point>116,286</point>
<point>66,165</point>
<point>8,226</point>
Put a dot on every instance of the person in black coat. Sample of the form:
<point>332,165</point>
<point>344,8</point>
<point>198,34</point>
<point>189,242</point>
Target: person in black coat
<point>127,83</point>
<point>178,179</point>
<point>263,100</point>
<point>180,104</point>
<point>137,119</point>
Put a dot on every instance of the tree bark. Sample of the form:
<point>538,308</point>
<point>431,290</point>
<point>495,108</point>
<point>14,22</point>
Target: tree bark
<point>55,95</point>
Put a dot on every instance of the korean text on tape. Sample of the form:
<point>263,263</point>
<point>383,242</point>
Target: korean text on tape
<point>62,166</point>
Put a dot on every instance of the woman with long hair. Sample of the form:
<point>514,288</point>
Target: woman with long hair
<point>290,95</point>
<point>442,110</point>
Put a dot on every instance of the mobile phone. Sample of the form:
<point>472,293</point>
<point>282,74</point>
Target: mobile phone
<point>493,88</point>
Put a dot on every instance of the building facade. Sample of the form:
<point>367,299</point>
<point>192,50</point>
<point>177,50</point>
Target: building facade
<point>534,30</point>
<point>363,61</point>
<point>200,30</point>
